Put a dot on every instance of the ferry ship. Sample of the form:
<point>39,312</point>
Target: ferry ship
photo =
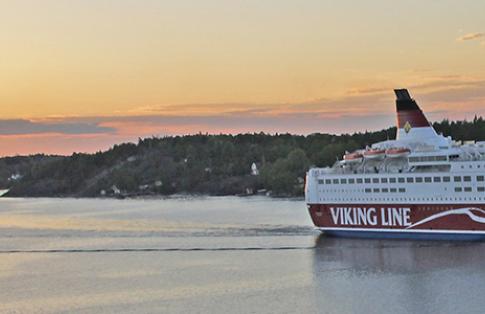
<point>422,185</point>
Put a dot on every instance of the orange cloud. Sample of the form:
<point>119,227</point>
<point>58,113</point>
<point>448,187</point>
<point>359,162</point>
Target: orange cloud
<point>471,36</point>
<point>364,108</point>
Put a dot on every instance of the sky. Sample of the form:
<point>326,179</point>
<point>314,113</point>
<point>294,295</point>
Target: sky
<point>83,75</point>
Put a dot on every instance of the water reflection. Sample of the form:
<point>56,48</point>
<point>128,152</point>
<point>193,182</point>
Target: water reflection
<point>398,256</point>
<point>360,276</point>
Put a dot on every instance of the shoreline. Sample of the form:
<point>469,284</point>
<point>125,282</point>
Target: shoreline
<point>161,197</point>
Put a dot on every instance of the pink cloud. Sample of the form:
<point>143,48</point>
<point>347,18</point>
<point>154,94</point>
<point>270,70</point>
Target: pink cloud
<point>451,96</point>
<point>57,144</point>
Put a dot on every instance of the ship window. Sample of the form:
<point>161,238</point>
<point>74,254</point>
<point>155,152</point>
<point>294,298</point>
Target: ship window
<point>367,180</point>
<point>384,190</point>
<point>328,181</point>
<point>335,181</point>
<point>481,189</point>
<point>400,180</point>
<point>351,181</point>
<point>468,189</point>
<point>419,180</point>
<point>437,179</point>
<point>384,180</point>
<point>375,180</point>
<point>446,179</point>
<point>343,181</point>
<point>376,190</point>
<point>402,190</point>
<point>392,180</point>
<point>409,180</point>
<point>393,190</point>
<point>467,178</point>
<point>427,179</point>
<point>480,178</point>
<point>457,179</point>
<point>320,181</point>
<point>457,189</point>
<point>368,190</point>
<point>359,180</point>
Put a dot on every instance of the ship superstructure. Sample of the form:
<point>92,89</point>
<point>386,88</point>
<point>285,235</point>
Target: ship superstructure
<point>420,185</point>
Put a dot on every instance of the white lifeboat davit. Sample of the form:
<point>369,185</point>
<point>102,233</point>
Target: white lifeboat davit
<point>397,152</point>
<point>354,157</point>
<point>375,154</point>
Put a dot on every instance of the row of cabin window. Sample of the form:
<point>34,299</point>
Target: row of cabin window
<point>427,158</point>
<point>401,180</point>
<point>385,190</point>
<point>403,190</point>
<point>405,199</point>
<point>469,189</point>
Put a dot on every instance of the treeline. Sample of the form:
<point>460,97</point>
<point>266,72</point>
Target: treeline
<point>206,164</point>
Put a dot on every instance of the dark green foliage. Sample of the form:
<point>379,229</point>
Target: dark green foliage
<point>283,176</point>
<point>209,164</point>
<point>462,130</point>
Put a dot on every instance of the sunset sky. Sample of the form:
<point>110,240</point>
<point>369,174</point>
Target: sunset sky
<point>82,75</point>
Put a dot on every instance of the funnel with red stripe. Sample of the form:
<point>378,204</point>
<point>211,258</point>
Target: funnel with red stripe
<point>411,121</point>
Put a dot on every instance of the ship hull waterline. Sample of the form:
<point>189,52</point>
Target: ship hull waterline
<point>461,222</point>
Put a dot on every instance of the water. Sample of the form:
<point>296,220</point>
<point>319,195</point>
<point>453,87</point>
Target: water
<point>218,255</point>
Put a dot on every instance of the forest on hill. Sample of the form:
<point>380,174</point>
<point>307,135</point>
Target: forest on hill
<point>197,164</point>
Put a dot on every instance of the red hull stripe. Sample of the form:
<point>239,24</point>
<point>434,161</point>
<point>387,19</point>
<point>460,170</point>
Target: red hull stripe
<point>402,217</point>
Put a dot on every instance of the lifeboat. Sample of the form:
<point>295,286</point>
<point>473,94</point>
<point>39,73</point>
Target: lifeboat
<point>375,153</point>
<point>354,157</point>
<point>397,152</point>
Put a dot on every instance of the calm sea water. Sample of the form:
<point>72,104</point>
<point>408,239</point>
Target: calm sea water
<point>218,255</point>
